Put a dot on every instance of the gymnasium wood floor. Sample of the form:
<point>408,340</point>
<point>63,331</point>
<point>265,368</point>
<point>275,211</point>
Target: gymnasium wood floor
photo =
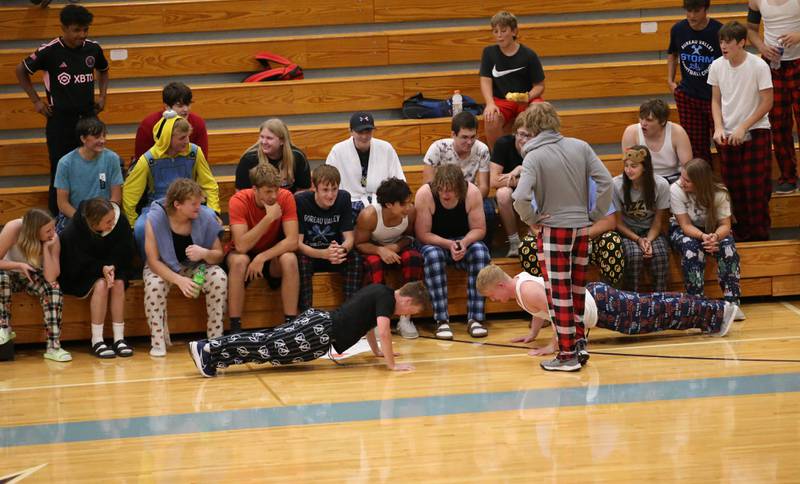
<point>672,407</point>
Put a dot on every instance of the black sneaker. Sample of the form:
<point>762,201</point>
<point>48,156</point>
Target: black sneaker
<point>582,351</point>
<point>202,358</point>
<point>785,188</point>
<point>555,364</point>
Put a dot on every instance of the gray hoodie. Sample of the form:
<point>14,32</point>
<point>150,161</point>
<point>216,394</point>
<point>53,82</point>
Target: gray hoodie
<point>555,182</point>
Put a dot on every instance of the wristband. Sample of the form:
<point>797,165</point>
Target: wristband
<point>753,16</point>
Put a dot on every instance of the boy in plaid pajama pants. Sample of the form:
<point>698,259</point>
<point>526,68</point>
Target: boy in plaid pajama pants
<point>693,45</point>
<point>383,237</point>
<point>781,27</point>
<point>326,234</point>
<point>451,225</point>
<point>741,98</point>
<point>553,190</point>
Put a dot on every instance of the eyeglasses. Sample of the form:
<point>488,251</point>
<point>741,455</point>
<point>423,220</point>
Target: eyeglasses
<point>523,135</point>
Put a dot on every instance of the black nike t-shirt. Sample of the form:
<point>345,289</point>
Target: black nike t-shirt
<point>517,73</point>
<point>68,74</point>
<point>359,314</point>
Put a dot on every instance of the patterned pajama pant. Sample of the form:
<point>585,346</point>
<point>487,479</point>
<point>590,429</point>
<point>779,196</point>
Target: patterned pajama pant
<point>50,297</point>
<point>786,101</point>
<point>693,263</point>
<point>565,252</point>
<point>353,275</point>
<point>436,261</point>
<point>411,263</point>
<point>745,170</point>
<point>631,313</point>
<point>305,338</point>
<point>635,261</point>
<point>605,252</point>
<point>695,117</point>
<point>156,290</point>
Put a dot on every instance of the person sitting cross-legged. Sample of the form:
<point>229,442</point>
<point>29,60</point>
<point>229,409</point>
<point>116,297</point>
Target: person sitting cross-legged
<point>451,225</point>
<point>384,237</point>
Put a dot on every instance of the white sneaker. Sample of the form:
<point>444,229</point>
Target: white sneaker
<point>406,328</point>
<point>513,250</point>
<point>6,335</point>
<point>159,352</point>
<point>739,314</point>
<point>727,319</point>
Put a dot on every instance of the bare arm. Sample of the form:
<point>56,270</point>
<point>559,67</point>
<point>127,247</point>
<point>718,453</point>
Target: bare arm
<point>287,244</point>
<point>630,137</point>
<point>716,114</point>
<point>476,217</point>
<point>658,224</point>
<point>24,79</point>
<point>536,91</point>
<point>623,228</point>
<point>754,36</point>
<point>365,225</point>
<point>483,183</point>
<point>605,224</point>
<point>682,144</point>
<point>102,86</point>
<point>62,198</point>
<point>422,225</point>
<point>51,265</point>
<point>688,227</point>
<point>116,194</point>
<point>427,173</point>
<point>215,254</point>
<point>244,239</point>
<point>671,69</point>
<point>309,251</point>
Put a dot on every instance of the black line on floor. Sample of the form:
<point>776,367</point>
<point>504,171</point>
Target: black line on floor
<point>637,355</point>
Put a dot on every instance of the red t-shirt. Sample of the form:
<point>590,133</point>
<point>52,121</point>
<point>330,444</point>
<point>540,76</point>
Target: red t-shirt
<point>144,135</point>
<point>242,210</point>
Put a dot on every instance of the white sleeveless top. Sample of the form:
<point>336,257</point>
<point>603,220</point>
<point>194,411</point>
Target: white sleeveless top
<point>589,311</point>
<point>779,20</point>
<point>665,161</point>
<point>14,254</point>
<point>387,235</point>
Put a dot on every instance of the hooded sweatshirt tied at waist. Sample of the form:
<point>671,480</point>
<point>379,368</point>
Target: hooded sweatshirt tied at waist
<point>555,182</point>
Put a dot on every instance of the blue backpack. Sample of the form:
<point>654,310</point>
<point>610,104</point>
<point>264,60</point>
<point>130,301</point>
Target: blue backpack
<point>419,107</point>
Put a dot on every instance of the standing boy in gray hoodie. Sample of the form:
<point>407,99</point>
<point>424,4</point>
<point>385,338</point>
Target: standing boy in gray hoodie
<point>552,196</point>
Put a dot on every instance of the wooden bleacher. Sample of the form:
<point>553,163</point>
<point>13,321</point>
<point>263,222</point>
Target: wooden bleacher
<point>140,18</point>
<point>768,268</point>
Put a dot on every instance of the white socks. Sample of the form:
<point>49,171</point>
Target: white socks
<point>119,331</point>
<point>97,333</point>
<point>513,240</point>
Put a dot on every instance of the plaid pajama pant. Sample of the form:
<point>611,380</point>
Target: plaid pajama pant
<point>410,266</point>
<point>353,275</point>
<point>786,101</point>
<point>436,261</point>
<point>304,338</point>
<point>565,252</point>
<point>745,170</point>
<point>635,262</point>
<point>631,313</point>
<point>693,263</point>
<point>695,117</point>
<point>50,297</point>
<point>605,252</point>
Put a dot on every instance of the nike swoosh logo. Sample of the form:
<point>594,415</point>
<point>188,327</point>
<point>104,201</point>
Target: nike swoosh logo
<point>497,73</point>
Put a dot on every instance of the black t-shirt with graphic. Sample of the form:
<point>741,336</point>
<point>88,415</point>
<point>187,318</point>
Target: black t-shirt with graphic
<point>695,51</point>
<point>321,227</point>
<point>68,74</point>
<point>358,315</point>
<point>505,153</point>
<point>517,73</point>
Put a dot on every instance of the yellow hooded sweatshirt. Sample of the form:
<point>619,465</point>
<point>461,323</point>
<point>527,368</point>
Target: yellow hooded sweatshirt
<point>191,162</point>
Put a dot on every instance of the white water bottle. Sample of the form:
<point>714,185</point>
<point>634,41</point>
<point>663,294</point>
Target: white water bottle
<point>458,102</point>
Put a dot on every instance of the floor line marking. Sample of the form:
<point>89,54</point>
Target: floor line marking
<point>791,307</point>
<point>381,363</point>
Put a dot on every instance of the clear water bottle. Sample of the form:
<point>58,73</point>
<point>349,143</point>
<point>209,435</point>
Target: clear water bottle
<point>458,102</point>
<point>775,65</point>
<point>199,278</point>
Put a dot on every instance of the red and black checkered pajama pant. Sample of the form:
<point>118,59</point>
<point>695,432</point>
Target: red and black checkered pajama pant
<point>785,102</point>
<point>411,267</point>
<point>565,252</point>
<point>745,170</point>
<point>695,117</point>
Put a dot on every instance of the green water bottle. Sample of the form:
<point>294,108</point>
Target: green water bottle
<point>199,278</point>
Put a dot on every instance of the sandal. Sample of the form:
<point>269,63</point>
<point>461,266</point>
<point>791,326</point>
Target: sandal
<point>476,329</point>
<point>443,330</point>
<point>101,350</point>
<point>58,354</point>
<point>122,349</point>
